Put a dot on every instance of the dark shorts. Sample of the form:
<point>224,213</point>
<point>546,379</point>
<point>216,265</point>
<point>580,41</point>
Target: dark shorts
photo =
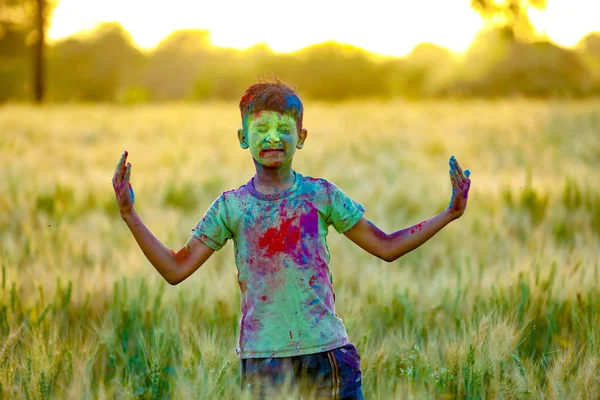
<point>333,374</point>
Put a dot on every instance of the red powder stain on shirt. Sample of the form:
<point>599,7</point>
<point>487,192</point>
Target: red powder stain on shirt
<point>290,334</point>
<point>312,280</point>
<point>284,239</point>
<point>263,298</point>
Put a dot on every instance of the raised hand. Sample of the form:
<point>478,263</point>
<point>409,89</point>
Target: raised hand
<point>122,187</point>
<point>460,188</point>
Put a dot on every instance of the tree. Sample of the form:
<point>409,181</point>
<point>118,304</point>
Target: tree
<point>590,44</point>
<point>588,49</point>
<point>98,66</point>
<point>336,71</point>
<point>176,63</point>
<point>23,25</point>
<point>511,15</point>
<point>427,70</point>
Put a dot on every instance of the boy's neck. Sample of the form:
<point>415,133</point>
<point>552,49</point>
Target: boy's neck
<point>273,180</point>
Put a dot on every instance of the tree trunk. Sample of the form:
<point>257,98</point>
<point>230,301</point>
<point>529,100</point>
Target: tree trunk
<point>38,57</point>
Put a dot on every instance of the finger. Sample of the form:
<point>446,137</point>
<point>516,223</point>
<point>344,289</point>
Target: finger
<point>453,180</point>
<point>459,170</point>
<point>457,176</point>
<point>463,178</point>
<point>127,174</point>
<point>124,161</point>
<point>457,181</point>
<point>451,164</point>
<point>467,173</point>
<point>118,177</point>
<point>121,161</point>
<point>455,167</point>
<point>115,180</point>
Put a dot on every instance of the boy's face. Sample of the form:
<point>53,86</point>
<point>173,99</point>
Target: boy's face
<point>272,138</point>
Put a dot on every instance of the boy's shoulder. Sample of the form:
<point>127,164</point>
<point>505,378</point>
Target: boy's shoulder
<point>315,181</point>
<point>235,193</point>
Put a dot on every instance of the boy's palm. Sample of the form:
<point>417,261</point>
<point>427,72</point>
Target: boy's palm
<point>460,188</point>
<point>122,187</point>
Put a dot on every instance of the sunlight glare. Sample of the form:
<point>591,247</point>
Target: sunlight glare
<point>380,26</point>
<point>566,23</point>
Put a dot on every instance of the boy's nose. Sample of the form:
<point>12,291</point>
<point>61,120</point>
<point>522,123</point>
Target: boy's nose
<point>272,137</point>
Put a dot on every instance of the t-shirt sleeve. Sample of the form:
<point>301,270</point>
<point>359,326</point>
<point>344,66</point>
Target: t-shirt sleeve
<point>344,212</point>
<point>213,229</point>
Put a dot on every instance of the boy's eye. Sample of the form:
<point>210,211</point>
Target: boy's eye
<point>263,129</point>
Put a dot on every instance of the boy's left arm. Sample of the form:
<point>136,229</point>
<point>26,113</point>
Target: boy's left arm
<point>391,247</point>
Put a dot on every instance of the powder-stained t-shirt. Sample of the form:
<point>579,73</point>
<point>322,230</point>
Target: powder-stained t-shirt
<point>287,298</point>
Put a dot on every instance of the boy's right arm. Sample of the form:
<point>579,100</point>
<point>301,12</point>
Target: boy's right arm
<point>173,267</point>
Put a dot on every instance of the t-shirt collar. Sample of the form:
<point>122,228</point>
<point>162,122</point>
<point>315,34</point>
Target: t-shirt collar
<point>278,195</point>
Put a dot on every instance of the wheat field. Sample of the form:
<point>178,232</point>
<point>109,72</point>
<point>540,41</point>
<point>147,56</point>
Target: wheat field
<point>502,303</point>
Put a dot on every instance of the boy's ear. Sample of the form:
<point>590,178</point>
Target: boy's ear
<point>301,138</point>
<point>242,139</point>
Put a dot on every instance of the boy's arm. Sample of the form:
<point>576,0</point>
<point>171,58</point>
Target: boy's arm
<point>391,247</point>
<point>174,267</point>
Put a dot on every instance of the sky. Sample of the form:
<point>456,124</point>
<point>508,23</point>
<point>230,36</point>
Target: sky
<point>386,27</point>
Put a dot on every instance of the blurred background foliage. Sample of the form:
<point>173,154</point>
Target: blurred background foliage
<point>508,58</point>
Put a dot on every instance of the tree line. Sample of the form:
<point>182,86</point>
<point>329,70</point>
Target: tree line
<point>507,59</point>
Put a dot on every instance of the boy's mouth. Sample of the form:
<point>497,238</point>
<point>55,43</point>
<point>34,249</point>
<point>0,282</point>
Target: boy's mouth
<point>271,152</point>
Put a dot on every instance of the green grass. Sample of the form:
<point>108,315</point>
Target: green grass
<point>502,303</point>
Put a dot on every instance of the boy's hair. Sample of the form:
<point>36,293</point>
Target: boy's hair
<point>271,96</point>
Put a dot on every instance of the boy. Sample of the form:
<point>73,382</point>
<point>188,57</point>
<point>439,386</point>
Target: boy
<point>279,221</point>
